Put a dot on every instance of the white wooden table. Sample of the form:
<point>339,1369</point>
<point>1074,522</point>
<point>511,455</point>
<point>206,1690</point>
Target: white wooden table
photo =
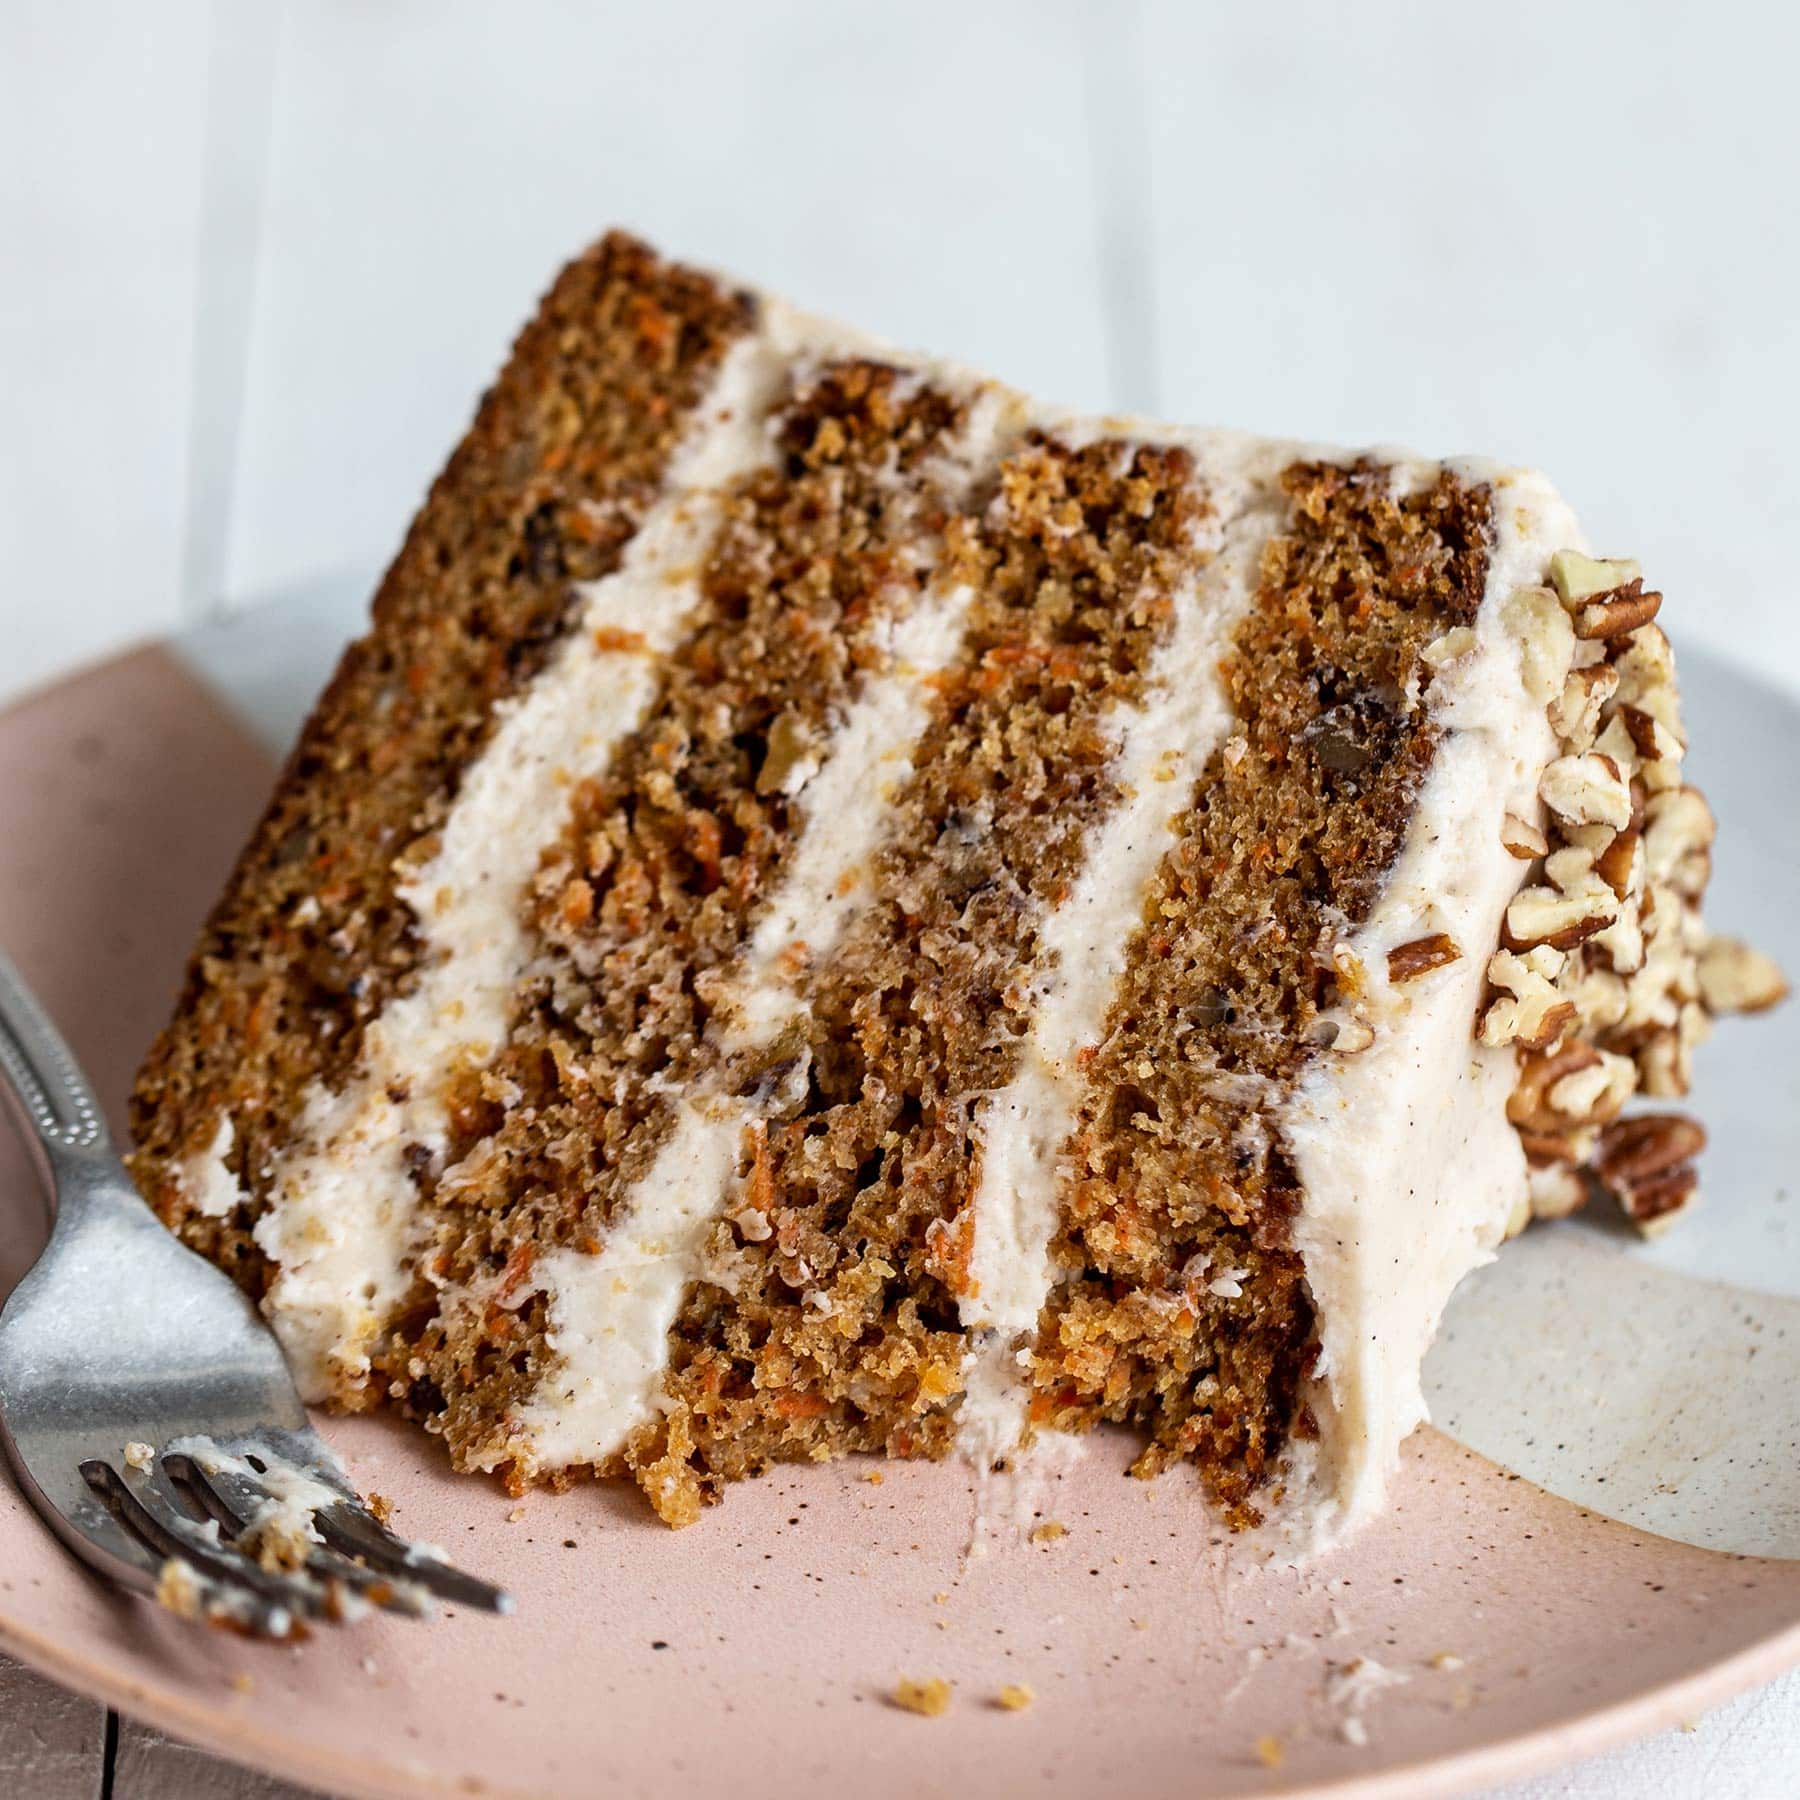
<point>258,260</point>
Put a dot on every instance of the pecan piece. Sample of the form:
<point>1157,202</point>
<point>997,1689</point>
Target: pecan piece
<point>1541,915</point>
<point>1577,577</point>
<point>1650,737</point>
<point>1646,1164</point>
<point>1615,614</point>
<point>1522,839</point>
<point>1735,978</point>
<point>1621,864</point>
<point>1590,789</point>
<point>1528,1106</point>
<point>1556,1190</point>
<point>1576,714</point>
<point>1653,1206</point>
<point>1406,962</point>
<point>1529,1012</point>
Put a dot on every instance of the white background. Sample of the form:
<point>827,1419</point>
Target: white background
<point>256,262</point>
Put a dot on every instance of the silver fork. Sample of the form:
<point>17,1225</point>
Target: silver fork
<point>147,1409</point>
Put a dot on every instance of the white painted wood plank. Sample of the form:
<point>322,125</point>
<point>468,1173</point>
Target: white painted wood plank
<point>150,1766</point>
<point>52,1743</point>
<point>1560,234</point>
<point>921,169</point>
<point>100,138</point>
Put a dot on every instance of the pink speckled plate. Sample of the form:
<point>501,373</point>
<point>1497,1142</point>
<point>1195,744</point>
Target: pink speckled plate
<point>754,1652</point>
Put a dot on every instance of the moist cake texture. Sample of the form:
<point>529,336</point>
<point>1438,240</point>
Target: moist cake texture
<point>839,909</point>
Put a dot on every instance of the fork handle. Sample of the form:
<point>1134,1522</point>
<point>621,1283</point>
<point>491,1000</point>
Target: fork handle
<point>51,1091</point>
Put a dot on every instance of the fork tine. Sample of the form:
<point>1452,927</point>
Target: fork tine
<point>155,1518</point>
<point>349,1527</point>
<point>127,1560</point>
<point>233,1502</point>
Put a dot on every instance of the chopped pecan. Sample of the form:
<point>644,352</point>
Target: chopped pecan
<point>1596,1094</point>
<point>1543,1150</point>
<point>1406,962</point>
<point>1650,1144</point>
<point>1590,789</point>
<point>1556,1190</point>
<point>1529,1106</point>
<point>1522,839</point>
<point>1651,738</point>
<point>1613,615</point>
<point>1647,676</point>
<point>1646,1164</point>
<point>1546,641</point>
<point>1621,864</point>
<point>1578,577</point>
<point>1575,716</point>
<point>1653,1206</point>
<point>1735,978</point>
<point>1456,643</point>
<point>1529,1011</point>
<point>1677,822</point>
<point>1542,915</point>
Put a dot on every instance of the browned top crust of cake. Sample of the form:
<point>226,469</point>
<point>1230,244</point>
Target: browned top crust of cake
<point>310,940</point>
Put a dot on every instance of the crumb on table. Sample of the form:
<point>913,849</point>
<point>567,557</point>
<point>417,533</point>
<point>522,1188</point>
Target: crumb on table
<point>929,1698</point>
<point>1015,1696</point>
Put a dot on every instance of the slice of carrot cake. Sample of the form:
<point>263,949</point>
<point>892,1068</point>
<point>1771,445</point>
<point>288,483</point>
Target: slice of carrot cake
<point>837,908</point>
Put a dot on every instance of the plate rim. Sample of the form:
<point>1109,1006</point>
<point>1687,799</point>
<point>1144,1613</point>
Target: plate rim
<point>249,1739</point>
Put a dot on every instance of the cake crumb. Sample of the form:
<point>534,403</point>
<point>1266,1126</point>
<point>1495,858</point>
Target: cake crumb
<point>244,1682</point>
<point>139,1456</point>
<point>383,1509</point>
<point>1015,1697</point>
<point>1140,1624</point>
<point>1447,1662</point>
<point>178,1588</point>
<point>1354,1732</point>
<point>940,1599</point>
<point>516,1516</point>
<point>1049,1531</point>
<point>930,1699</point>
<point>873,1478</point>
<point>1269,1751</point>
